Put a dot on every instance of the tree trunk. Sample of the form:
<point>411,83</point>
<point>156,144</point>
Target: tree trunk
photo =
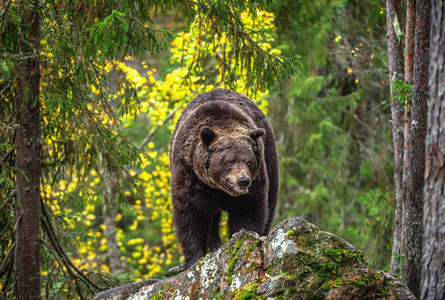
<point>433,267</point>
<point>109,212</point>
<point>27,208</point>
<point>409,63</point>
<point>395,62</point>
<point>416,158</point>
<point>114,255</point>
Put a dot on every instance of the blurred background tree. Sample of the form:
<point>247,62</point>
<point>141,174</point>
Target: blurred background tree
<point>332,121</point>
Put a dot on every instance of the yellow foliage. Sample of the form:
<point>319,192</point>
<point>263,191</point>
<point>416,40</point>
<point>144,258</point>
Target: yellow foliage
<point>134,226</point>
<point>159,98</point>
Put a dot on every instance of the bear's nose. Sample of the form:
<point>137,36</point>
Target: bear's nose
<point>244,181</point>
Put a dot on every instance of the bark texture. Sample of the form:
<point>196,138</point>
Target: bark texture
<point>395,62</point>
<point>409,69</point>
<point>433,266</point>
<point>416,142</point>
<point>295,261</point>
<point>27,208</point>
<point>110,212</point>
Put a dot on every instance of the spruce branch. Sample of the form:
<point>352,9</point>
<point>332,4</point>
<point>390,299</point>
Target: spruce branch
<point>154,130</point>
<point>4,265</point>
<point>75,289</point>
<point>5,157</point>
<point>75,272</point>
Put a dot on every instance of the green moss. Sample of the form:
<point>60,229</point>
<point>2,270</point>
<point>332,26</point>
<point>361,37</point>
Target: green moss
<point>245,292</point>
<point>216,290</point>
<point>270,268</point>
<point>341,255</point>
<point>217,293</point>
<point>318,295</point>
<point>290,233</point>
<point>338,258</point>
<point>232,263</point>
<point>291,291</point>
<point>290,276</point>
<point>365,279</point>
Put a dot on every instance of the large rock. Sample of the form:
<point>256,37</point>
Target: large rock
<point>295,261</point>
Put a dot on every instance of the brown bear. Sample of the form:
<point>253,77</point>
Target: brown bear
<point>223,157</point>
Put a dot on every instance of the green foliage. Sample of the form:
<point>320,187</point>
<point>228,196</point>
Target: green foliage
<point>95,109</point>
<point>403,92</point>
<point>331,122</point>
<point>119,34</point>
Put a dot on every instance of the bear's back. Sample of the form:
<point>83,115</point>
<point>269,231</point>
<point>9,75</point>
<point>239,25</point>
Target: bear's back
<point>236,99</point>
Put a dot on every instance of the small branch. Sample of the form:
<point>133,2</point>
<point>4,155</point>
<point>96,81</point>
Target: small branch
<point>67,262</point>
<point>4,10</point>
<point>11,195</point>
<point>5,157</point>
<point>152,132</point>
<point>63,271</point>
<point>10,253</point>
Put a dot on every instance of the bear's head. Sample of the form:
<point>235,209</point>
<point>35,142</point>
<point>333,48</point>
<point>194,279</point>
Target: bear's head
<point>230,160</point>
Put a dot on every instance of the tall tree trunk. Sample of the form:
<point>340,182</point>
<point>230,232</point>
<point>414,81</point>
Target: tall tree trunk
<point>110,212</point>
<point>395,62</point>
<point>110,202</point>
<point>409,66</point>
<point>433,267</point>
<point>416,157</point>
<point>27,208</point>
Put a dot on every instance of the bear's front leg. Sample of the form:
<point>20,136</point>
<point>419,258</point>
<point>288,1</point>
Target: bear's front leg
<point>192,228</point>
<point>249,217</point>
<point>214,238</point>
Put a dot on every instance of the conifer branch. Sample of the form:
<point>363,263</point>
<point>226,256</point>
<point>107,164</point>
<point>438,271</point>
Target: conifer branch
<point>5,157</point>
<point>75,289</point>
<point>153,131</point>
<point>75,272</point>
<point>8,255</point>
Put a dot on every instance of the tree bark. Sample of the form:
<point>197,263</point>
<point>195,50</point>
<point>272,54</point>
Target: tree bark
<point>110,212</point>
<point>395,62</point>
<point>27,208</point>
<point>433,267</point>
<point>416,157</point>
<point>409,66</point>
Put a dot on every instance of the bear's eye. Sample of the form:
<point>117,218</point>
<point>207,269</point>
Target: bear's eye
<point>249,163</point>
<point>231,162</point>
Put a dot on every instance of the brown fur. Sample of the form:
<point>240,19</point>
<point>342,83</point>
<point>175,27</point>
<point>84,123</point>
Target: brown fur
<point>223,157</point>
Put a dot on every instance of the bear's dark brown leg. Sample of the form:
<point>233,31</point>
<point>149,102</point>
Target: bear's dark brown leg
<point>271,157</point>
<point>215,238</point>
<point>250,213</point>
<point>192,229</point>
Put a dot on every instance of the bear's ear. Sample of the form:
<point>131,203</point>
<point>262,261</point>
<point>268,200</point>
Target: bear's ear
<point>207,136</point>
<point>255,134</point>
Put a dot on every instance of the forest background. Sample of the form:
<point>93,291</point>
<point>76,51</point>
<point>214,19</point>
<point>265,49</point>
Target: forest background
<point>105,178</point>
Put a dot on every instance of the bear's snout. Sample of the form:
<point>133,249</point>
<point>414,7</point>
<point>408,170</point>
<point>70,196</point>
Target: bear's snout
<point>237,187</point>
<point>244,182</point>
